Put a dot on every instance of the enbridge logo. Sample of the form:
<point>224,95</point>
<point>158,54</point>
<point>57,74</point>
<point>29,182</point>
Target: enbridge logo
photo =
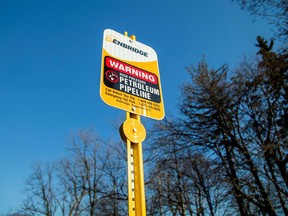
<point>113,39</point>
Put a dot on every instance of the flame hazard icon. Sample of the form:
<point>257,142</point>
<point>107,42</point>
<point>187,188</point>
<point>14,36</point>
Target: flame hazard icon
<point>112,76</point>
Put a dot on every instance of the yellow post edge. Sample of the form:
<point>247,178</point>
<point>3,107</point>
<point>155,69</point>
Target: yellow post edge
<point>133,133</point>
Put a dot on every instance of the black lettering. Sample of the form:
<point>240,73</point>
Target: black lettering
<point>133,49</point>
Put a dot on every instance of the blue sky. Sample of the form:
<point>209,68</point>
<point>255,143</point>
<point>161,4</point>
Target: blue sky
<point>50,57</point>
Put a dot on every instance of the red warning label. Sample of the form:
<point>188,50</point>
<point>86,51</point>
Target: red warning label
<point>130,70</point>
<point>131,80</point>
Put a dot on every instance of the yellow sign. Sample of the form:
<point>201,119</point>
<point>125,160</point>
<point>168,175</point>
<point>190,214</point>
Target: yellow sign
<point>130,77</point>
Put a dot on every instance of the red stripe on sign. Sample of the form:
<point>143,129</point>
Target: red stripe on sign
<point>130,70</point>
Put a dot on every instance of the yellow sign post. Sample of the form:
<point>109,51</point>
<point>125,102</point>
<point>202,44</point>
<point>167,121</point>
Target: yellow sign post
<point>134,133</point>
<point>130,81</point>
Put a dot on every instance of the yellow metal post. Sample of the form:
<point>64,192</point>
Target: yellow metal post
<point>133,133</point>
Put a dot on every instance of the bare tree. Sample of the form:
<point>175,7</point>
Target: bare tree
<point>40,191</point>
<point>275,11</point>
<point>116,181</point>
<point>183,181</point>
<point>240,125</point>
<point>87,182</point>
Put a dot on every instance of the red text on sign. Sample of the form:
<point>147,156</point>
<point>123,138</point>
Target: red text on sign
<point>131,70</point>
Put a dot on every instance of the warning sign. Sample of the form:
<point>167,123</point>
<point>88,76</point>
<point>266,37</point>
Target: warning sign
<point>129,79</point>
<point>129,76</point>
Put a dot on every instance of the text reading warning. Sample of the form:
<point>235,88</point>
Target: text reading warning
<point>132,80</point>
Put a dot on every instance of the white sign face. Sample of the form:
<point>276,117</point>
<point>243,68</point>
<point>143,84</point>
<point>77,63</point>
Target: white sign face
<point>130,77</point>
